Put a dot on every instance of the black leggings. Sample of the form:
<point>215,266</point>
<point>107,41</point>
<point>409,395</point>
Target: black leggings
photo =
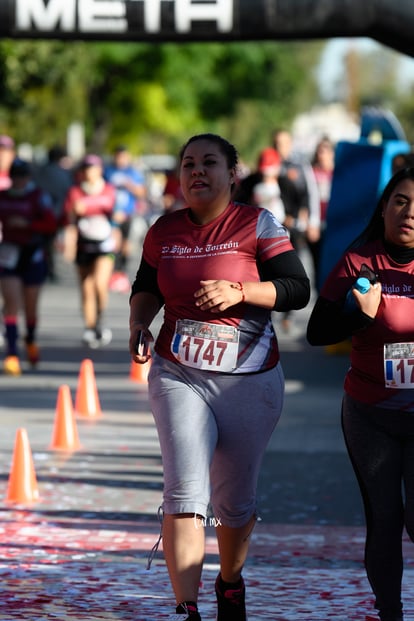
<point>380,443</point>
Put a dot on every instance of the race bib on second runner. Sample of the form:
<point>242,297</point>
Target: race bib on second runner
<point>399,365</point>
<point>207,346</point>
<point>9,255</point>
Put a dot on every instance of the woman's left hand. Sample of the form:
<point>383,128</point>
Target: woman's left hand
<point>218,295</point>
<point>370,301</point>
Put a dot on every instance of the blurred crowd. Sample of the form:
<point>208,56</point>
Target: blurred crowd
<point>96,211</point>
<point>83,210</point>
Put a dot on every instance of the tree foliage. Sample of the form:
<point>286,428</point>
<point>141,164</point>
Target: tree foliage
<point>43,88</point>
<point>152,96</point>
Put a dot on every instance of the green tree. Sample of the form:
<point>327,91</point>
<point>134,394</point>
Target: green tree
<point>152,96</point>
<point>43,88</point>
<point>164,92</point>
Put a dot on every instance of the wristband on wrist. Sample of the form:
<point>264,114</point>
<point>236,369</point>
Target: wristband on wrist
<point>239,287</point>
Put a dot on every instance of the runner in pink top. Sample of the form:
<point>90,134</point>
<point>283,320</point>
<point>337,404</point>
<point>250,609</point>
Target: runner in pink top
<point>91,240</point>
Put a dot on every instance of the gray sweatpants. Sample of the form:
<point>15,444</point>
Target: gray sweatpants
<point>213,430</point>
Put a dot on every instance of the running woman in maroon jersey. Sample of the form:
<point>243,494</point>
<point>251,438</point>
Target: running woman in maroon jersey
<point>26,221</point>
<point>216,384</point>
<point>378,403</point>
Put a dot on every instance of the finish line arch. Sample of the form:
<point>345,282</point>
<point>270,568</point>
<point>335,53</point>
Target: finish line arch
<point>386,21</point>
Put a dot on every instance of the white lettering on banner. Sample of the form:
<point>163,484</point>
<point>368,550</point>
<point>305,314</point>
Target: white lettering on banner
<point>99,15</point>
<point>34,13</point>
<point>111,15</point>
<point>220,11</point>
<point>152,15</point>
<point>94,15</point>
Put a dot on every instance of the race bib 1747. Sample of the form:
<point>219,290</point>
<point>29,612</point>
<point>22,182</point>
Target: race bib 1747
<point>207,346</point>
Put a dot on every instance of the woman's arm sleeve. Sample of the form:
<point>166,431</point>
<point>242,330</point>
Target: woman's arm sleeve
<point>288,275</point>
<point>328,324</point>
<point>146,280</point>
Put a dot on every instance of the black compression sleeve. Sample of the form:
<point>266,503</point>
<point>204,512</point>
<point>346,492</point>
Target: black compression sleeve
<point>146,280</point>
<point>288,275</point>
<point>328,324</point>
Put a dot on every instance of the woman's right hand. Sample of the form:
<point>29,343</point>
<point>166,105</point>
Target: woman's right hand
<point>139,342</point>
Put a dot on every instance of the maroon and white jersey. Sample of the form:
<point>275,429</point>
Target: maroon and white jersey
<point>94,225</point>
<point>230,248</point>
<point>99,203</point>
<point>32,209</point>
<point>382,358</point>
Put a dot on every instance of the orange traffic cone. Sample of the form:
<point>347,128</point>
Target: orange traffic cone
<point>87,399</point>
<point>139,372</point>
<point>22,487</point>
<point>65,434</point>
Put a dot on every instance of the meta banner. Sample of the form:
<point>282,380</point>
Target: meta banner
<point>389,22</point>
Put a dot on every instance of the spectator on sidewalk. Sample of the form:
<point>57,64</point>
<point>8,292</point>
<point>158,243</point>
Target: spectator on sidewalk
<point>323,164</point>
<point>303,219</point>
<point>131,194</point>
<point>172,196</point>
<point>55,177</point>
<point>267,193</point>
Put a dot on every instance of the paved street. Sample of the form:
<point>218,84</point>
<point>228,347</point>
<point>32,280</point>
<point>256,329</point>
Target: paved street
<point>80,550</point>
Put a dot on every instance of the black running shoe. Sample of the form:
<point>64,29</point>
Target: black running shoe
<point>187,611</point>
<point>230,601</point>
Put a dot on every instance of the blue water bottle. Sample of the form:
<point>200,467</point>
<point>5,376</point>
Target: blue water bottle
<point>362,285</point>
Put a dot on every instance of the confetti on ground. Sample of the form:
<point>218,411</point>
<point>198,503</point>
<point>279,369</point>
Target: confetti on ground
<point>81,568</point>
